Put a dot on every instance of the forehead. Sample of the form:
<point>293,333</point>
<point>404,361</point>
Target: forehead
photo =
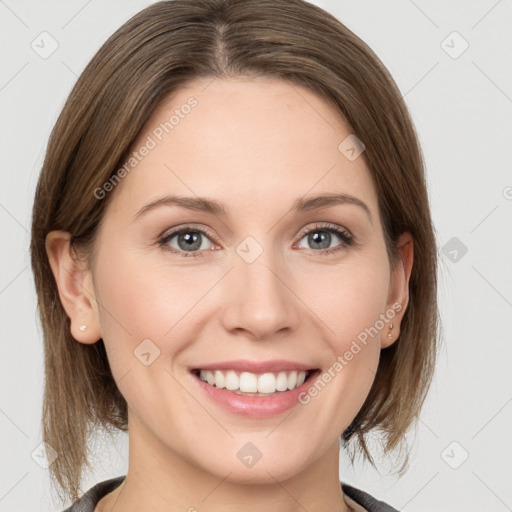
<point>245,142</point>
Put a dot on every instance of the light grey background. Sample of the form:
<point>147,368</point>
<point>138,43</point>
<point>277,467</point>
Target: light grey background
<point>462,108</point>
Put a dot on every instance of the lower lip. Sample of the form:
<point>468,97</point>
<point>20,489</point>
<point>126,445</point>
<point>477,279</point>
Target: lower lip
<point>256,406</point>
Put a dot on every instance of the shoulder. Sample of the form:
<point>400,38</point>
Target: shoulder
<point>368,502</point>
<point>90,499</point>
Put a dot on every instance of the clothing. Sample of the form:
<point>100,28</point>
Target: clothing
<point>360,500</point>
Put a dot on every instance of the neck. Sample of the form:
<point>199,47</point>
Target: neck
<point>160,479</point>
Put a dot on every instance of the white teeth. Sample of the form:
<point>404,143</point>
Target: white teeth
<point>210,378</point>
<point>292,380</point>
<point>282,382</point>
<point>301,377</point>
<point>219,379</point>
<point>266,383</point>
<point>231,381</point>
<point>247,382</point>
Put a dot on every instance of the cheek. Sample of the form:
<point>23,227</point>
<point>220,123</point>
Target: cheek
<point>349,299</point>
<point>143,296</point>
<point>138,302</point>
<point>144,310</point>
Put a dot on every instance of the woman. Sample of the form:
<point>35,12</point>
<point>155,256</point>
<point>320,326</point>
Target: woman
<point>235,261</point>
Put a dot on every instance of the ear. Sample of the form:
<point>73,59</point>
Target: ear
<point>398,297</point>
<point>76,291</point>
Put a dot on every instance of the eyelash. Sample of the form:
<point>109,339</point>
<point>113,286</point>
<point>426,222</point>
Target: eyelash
<point>342,233</point>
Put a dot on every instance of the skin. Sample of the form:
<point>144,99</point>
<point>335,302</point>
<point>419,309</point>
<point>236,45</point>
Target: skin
<point>256,145</point>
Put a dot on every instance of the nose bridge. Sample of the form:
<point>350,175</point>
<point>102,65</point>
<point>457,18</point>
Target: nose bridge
<point>261,302</point>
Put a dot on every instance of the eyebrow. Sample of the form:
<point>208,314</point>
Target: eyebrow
<point>204,204</point>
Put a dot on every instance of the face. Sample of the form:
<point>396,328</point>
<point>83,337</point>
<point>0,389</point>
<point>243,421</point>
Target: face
<point>272,277</point>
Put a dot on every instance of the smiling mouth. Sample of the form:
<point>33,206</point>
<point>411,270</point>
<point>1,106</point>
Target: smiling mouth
<point>254,384</point>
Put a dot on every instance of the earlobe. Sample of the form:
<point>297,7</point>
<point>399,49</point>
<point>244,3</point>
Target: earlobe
<point>399,289</point>
<point>75,287</point>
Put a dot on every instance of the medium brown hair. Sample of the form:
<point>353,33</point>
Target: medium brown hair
<point>152,55</point>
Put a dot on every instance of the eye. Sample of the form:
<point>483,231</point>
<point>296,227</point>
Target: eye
<point>188,239</point>
<point>321,238</point>
<point>191,241</point>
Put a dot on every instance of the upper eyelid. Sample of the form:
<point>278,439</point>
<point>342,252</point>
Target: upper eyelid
<point>186,227</point>
<point>326,226</point>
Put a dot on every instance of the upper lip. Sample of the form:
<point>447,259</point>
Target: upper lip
<point>244,365</point>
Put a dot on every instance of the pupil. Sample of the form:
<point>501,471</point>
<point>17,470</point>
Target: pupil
<point>321,238</point>
<point>192,241</point>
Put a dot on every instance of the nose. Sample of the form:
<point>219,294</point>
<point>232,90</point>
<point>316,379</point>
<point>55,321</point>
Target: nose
<point>261,301</point>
